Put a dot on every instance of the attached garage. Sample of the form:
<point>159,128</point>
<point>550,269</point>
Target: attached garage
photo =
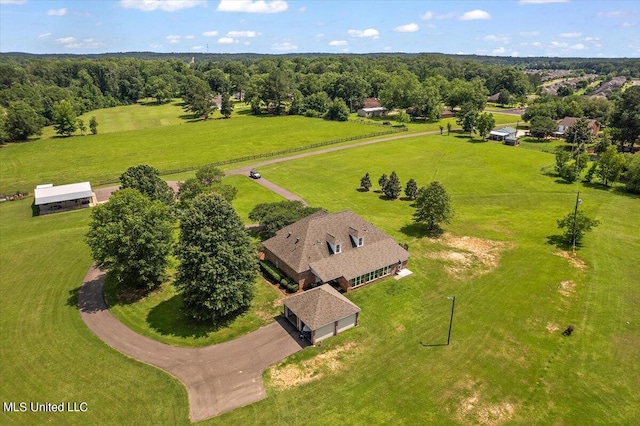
<point>321,312</point>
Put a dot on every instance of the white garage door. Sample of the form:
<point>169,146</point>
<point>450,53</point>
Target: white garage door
<point>346,323</point>
<point>324,332</point>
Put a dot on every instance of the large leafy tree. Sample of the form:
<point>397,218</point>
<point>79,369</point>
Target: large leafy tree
<point>132,236</point>
<point>433,206</point>
<point>278,85</point>
<point>159,88</point>
<point>576,224</point>
<point>400,90</point>
<point>64,118</point>
<point>198,98</point>
<point>580,134</point>
<point>485,123</point>
<point>610,165</point>
<point>633,175</point>
<point>208,180</point>
<point>218,266</point>
<point>275,216</point>
<point>338,111</point>
<point>542,126</point>
<point>468,119</point>
<point>626,116</point>
<point>22,121</point>
<point>146,179</point>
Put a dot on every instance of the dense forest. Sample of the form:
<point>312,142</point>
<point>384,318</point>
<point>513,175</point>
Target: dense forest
<point>39,90</point>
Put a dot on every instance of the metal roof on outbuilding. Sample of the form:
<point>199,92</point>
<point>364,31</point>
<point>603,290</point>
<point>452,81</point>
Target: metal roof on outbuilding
<point>56,194</point>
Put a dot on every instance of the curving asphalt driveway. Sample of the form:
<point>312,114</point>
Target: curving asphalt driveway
<point>218,378</point>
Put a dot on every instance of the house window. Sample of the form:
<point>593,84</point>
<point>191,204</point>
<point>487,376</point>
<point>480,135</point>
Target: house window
<point>360,241</point>
<point>370,276</point>
<point>338,248</point>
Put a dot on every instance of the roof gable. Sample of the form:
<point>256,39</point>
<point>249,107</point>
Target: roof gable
<point>303,245</point>
<point>320,306</point>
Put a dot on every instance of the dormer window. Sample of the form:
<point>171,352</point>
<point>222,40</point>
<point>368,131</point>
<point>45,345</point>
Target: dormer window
<point>357,236</point>
<point>335,245</point>
<point>360,241</point>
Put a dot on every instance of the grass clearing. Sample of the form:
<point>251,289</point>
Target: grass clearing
<point>507,361</point>
<point>104,157</point>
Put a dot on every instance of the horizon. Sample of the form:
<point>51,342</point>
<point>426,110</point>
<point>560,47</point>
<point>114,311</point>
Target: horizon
<point>542,28</point>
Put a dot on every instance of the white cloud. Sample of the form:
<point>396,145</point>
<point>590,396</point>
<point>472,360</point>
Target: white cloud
<point>570,35</point>
<point>338,43</point>
<point>369,32</point>
<point>530,33</point>
<point>592,39</point>
<point>302,9</point>
<point>284,46</point>
<point>320,35</point>
<point>45,35</point>
<point>173,39</point>
<point>189,37</point>
<point>345,50</point>
<point>559,44</point>
<point>242,34</point>
<point>578,46</point>
<point>13,1</point>
<point>499,38</point>
<point>248,6</point>
<point>536,44</point>
<point>57,12</point>
<point>627,25</point>
<point>197,47</point>
<point>408,28</point>
<point>65,40</point>
<point>210,33</point>
<point>542,1</point>
<point>427,16</point>
<point>155,46</point>
<point>164,5</point>
<point>499,51</point>
<point>475,15</point>
<point>226,40</point>
<point>616,14</point>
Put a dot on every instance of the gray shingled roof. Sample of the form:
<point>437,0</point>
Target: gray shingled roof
<point>320,306</point>
<point>303,246</point>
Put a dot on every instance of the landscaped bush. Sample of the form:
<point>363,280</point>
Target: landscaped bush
<point>292,287</point>
<point>271,271</point>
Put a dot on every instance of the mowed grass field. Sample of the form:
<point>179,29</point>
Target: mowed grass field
<point>507,361</point>
<point>105,156</point>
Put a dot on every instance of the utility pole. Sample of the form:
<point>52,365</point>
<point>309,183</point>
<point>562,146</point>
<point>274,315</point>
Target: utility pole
<point>575,216</point>
<point>453,305</point>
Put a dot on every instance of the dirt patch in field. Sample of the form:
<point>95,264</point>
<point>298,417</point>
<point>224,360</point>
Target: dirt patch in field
<point>552,328</point>
<point>573,259</point>
<point>288,376</point>
<point>567,288</point>
<point>470,257</point>
<point>469,406</point>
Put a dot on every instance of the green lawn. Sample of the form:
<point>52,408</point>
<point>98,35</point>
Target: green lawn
<point>504,363</point>
<point>106,155</point>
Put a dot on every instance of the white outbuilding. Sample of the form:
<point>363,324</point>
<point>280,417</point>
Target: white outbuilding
<point>50,198</point>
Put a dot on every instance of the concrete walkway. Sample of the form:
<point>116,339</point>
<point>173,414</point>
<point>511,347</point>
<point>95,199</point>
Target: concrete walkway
<point>218,378</point>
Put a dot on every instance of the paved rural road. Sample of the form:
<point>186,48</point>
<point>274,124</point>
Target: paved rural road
<point>218,378</point>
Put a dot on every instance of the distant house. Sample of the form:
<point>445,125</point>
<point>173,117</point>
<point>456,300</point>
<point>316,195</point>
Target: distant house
<point>50,199</point>
<point>321,312</point>
<point>503,134</point>
<point>371,103</point>
<point>494,97</point>
<point>568,122</point>
<point>341,249</point>
<point>372,112</point>
<point>446,114</point>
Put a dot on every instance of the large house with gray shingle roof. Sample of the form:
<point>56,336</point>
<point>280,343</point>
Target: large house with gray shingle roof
<point>337,248</point>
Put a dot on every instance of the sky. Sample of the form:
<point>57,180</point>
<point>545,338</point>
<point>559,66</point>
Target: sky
<point>563,28</point>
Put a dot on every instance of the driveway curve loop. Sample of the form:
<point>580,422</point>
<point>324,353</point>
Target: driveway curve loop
<point>218,378</point>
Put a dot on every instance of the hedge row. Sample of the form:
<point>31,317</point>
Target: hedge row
<point>277,276</point>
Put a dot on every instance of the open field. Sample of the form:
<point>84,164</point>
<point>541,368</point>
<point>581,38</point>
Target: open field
<point>507,361</point>
<point>105,156</point>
